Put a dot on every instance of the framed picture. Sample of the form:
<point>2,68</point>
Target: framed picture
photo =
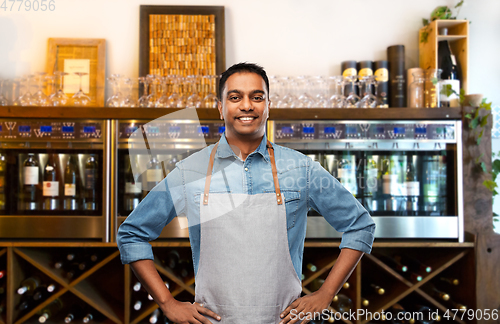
<point>182,41</point>
<point>80,55</point>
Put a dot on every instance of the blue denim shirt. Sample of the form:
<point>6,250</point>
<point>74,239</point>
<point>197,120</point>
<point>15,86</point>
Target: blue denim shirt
<point>303,182</point>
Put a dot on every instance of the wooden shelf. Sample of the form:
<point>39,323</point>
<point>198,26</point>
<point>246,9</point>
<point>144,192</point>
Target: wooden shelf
<point>213,114</point>
<point>450,38</point>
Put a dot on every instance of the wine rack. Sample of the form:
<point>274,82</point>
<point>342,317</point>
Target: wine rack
<point>3,285</point>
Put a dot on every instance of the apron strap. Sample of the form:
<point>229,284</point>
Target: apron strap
<point>270,150</point>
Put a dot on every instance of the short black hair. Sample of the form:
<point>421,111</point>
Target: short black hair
<point>242,67</point>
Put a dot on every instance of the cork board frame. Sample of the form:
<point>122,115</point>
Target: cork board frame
<point>93,49</point>
<point>175,27</point>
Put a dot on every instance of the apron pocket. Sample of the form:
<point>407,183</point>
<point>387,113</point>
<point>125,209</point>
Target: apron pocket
<point>245,314</point>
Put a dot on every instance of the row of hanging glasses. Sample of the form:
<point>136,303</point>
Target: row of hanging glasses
<point>324,92</point>
<point>41,90</point>
<point>171,91</point>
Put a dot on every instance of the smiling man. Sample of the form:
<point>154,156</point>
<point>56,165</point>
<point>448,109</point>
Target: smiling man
<point>247,219</point>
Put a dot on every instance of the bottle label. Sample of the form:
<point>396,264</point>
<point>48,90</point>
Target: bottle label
<point>30,175</point>
<point>365,72</point>
<point>382,75</point>
<point>412,188</point>
<point>133,188</point>
<point>390,184</point>
<point>90,179</point>
<point>453,99</point>
<point>70,189</point>
<point>51,188</point>
<point>349,72</point>
<point>154,175</point>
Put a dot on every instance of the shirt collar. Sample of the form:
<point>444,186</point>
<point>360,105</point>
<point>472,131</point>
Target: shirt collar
<point>225,151</point>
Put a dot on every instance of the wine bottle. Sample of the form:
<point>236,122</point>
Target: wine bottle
<point>455,305</point>
<point>172,259</point>
<point>154,316</point>
<point>317,283</point>
<point>138,305</point>
<point>431,289</point>
<point>42,292</point>
<point>346,173</point>
<point>2,274</point>
<point>74,312</point>
<point>398,318</point>
<point>3,168</point>
<point>91,179</point>
<point>346,285</point>
<point>31,173</point>
<point>382,78</point>
<point>412,185</point>
<point>377,289</point>
<point>88,318</point>
<point>451,281</point>
<point>2,307</point>
<point>137,286</point>
<point>342,303</point>
<point>311,267</point>
<point>413,263</point>
<point>71,187</point>
<point>394,264</point>
<point>50,310</point>
<point>51,184</point>
<point>348,68</point>
<point>154,173</point>
<point>28,285</point>
<point>133,187</point>
<point>449,75</point>
<point>365,302</point>
<point>2,289</point>
<point>425,314</point>
<point>185,267</point>
<point>414,276</point>
<point>25,304</point>
<point>397,80</point>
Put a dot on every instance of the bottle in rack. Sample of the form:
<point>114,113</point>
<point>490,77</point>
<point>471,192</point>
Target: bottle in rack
<point>412,185</point>
<point>50,310</point>
<point>346,173</point>
<point>51,184</point>
<point>450,280</point>
<point>71,185</point>
<point>433,291</point>
<point>133,188</point>
<point>413,263</point>
<point>91,180</point>
<point>154,173</point>
<point>450,74</point>
<point>172,259</point>
<point>372,289</point>
<point>28,285</point>
<point>88,318</point>
<point>342,303</point>
<point>73,314</point>
<point>153,319</point>
<point>398,318</point>
<point>31,176</point>
<point>393,263</point>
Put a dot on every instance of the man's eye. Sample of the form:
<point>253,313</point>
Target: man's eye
<point>233,98</point>
<point>258,98</point>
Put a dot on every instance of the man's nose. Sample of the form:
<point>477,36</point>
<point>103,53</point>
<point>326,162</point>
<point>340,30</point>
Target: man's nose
<point>246,104</point>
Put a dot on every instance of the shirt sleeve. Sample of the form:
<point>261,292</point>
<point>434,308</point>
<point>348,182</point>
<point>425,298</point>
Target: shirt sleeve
<point>148,219</point>
<point>340,209</point>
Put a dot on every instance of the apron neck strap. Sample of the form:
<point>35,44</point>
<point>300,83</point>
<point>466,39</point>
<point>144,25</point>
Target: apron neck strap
<point>270,150</point>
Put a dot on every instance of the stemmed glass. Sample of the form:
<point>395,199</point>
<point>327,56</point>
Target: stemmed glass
<point>151,98</point>
<point>210,100</point>
<point>352,100</point>
<point>305,100</point>
<point>288,100</point>
<point>369,100</point>
<point>3,100</point>
<point>193,100</point>
<point>80,98</point>
<point>127,100</point>
<point>174,96</point>
<point>275,89</point>
<point>162,102</point>
<point>182,99</point>
<point>321,100</point>
<point>24,99</point>
<point>116,98</point>
<point>59,98</point>
<point>39,98</point>
<point>143,100</point>
<point>337,99</point>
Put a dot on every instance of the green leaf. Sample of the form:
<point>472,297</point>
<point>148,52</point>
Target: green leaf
<point>469,116</point>
<point>462,97</point>
<point>483,167</point>
<point>478,141</point>
<point>484,121</point>
<point>447,90</point>
<point>459,4</point>
<point>434,81</point>
<point>425,21</point>
<point>495,166</point>
<point>474,123</point>
<point>491,185</point>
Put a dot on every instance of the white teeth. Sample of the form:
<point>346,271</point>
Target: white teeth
<point>246,118</point>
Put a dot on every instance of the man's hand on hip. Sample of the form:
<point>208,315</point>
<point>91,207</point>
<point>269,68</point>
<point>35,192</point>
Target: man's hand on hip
<point>187,313</point>
<point>305,307</point>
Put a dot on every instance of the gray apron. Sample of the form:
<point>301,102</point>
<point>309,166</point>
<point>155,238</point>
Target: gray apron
<point>245,273</point>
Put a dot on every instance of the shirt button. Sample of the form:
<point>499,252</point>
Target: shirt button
<point>246,169</point>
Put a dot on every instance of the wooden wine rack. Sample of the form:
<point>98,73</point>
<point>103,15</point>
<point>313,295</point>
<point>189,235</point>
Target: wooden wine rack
<point>106,287</point>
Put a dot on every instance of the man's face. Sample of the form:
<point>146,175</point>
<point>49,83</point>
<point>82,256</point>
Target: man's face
<point>244,105</point>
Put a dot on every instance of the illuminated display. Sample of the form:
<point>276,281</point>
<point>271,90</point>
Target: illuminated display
<point>89,129</point>
<point>351,130</point>
<point>46,129</point>
<point>174,129</point>
<point>420,130</point>
<point>203,129</point>
<point>24,129</point>
<point>329,130</point>
<point>399,130</point>
<point>153,129</point>
<point>130,129</point>
<point>222,129</point>
<point>287,130</point>
<point>308,130</point>
<point>379,130</point>
<point>68,129</point>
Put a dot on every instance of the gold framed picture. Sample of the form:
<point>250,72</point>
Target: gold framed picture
<point>80,55</point>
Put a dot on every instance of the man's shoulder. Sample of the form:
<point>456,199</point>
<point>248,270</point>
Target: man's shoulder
<point>286,156</point>
<point>197,161</point>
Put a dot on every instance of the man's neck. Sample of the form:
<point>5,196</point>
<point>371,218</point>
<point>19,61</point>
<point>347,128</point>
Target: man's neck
<point>243,146</point>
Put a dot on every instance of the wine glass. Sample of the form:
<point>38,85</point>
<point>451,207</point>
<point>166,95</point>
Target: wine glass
<point>210,100</point>
<point>80,98</point>
<point>143,100</point>
<point>39,98</point>
<point>288,100</point>
<point>174,96</point>
<point>275,89</point>
<point>59,98</point>
<point>304,86</point>
<point>352,100</point>
<point>369,100</point>
<point>193,100</point>
<point>116,98</point>
<point>128,100</point>
<point>337,99</point>
<point>321,97</point>
<point>24,98</point>
<point>182,99</point>
<point>3,99</point>
<point>162,102</point>
<point>151,98</point>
